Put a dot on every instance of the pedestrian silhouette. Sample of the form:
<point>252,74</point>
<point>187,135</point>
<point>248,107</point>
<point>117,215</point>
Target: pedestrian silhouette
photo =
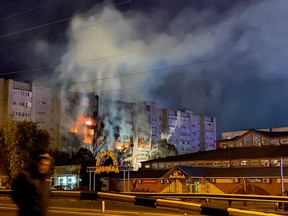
<point>30,190</point>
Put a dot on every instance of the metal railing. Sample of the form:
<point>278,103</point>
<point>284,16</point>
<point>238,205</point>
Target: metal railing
<point>206,196</point>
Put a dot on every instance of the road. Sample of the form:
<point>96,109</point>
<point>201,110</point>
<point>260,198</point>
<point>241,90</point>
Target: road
<point>76,207</point>
<point>65,207</point>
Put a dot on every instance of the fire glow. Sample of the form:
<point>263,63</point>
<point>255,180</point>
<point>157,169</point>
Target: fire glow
<point>83,126</point>
<point>122,145</point>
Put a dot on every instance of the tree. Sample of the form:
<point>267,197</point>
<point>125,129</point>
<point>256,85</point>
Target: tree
<point>98,137</point>
<point>61,158</point>
<point>85,158</point>
<point>162,149</point>
<point>17,141</point>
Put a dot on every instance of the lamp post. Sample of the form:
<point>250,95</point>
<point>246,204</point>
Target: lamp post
<point>281,175</point>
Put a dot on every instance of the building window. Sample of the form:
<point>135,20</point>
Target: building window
<point>284,141</point>
<point>154,165</point>
<point>217,164</point>
<point>265,163</point>
<point>244,163</point>
<point>161,165</point>
<point>168,165</point>
<point>285,162</point>
<point>200,164</point>
<point>147,166</point>
<point>231,145</point>
<point>223,145</point>
<point>257,140</point>
<point>254,162</point>
<point>209,164</point>
<point>239,143</point>
<point>225,163</point>
<point>265,141</point>
<point>248,140</point>
<point>275,142</point>
<point>235,163</point>
<point>275,163</point>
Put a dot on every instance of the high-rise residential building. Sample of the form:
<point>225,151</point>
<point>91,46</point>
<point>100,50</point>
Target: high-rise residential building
<point>208,133</point>
<point>155,121</point>
<point>31,102</point>
<point>188,132</point>
<point>75,120</point>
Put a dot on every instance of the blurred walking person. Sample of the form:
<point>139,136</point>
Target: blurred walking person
<point>31,187</point>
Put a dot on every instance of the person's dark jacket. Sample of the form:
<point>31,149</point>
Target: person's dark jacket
<point>31,193</point>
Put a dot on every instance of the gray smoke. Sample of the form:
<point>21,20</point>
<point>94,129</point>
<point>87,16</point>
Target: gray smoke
<point>232,72</point>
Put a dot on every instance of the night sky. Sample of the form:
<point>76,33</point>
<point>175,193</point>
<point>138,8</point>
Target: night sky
<point>219,58</point>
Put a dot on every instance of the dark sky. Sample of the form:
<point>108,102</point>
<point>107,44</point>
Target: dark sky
<point>219,58</point>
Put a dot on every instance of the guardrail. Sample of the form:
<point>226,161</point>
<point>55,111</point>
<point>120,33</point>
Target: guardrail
<point>228,197</point>
<point>153,200</point>
<point>281,202</point>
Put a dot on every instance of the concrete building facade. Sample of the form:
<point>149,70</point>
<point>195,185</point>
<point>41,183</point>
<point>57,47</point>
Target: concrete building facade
<point>189,132</point>
<point>28,101</point>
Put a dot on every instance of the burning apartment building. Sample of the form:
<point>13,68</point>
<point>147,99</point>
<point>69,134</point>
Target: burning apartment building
<point>100,124</point>
<point>131,128</point>
<point>76,120</point>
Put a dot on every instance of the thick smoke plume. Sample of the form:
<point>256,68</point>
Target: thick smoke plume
<point>231,64</point>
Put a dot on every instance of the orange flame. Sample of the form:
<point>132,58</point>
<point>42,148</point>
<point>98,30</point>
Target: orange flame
<point>142,144</point>
<point>82,126</point>
<point>122,145</point>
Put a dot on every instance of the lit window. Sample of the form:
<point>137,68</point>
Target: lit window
<point>154,165</point>
<point>217,163</point>
<point>168,165</point>
<point>235,163</point>
<point>244,163</point>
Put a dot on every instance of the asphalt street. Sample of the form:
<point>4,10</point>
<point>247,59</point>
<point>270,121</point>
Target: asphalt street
<point>84,207</point>
<point>76,207</point>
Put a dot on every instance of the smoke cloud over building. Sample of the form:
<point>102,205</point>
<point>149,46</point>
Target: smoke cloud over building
<point>226,59</point>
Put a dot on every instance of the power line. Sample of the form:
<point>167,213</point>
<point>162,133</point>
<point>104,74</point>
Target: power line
<point>29,10</point>
<point>52,23</point>
<point>182,65</point>
<point>28,70</point>
<point>122,89</point>
<point>36,27</point>
<point>149,71</point>
<point>13,46</point>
